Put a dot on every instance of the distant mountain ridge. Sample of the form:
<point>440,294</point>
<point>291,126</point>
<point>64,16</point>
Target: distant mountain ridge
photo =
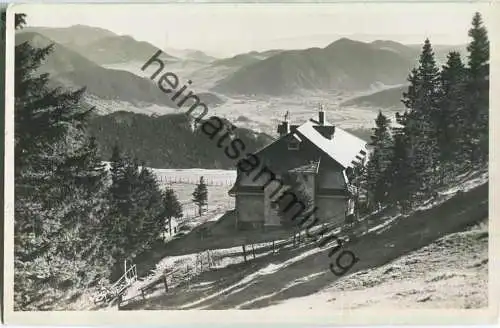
<point>74,35</point>
<point>62,59</point>
<point>247,58</point>
<point>388,99</point>
<point>68,68</point>
<point>344,64</point>
<point>82,52</point>
<point>100,45</point>
<point>190,54</point>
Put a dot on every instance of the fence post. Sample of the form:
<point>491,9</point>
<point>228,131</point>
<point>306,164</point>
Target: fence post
<point>253,252</point>
<point>165,282</point>
<point>244,253</point>
<point>120,300</point>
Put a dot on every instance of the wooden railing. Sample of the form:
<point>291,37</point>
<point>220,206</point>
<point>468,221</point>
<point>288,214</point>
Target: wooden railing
<point>125,281</point>
<point>109,294</point>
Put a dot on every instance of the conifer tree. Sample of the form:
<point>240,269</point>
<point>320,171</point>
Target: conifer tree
<point>401,174</point>
<point>452,122</point>
<point>478,88</point>
<point>59,189</point>
<point>200,195</point>
<point>148,211</point>
<point>377,181</point>
<point>172,207</point>
<point>116,221</point>
<point>135,221</point>
<point>420,120</point>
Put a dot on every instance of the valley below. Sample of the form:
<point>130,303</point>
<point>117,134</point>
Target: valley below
<point>262,113</point>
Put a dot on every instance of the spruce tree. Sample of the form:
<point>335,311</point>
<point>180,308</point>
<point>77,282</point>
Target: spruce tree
<point>377,181</point>
<point>135,219</point>
<point>200,195</point>
<point>420,120</point>
<point>172,207</point>
<point>59,189</point>
<point>116,221</point>
<point>452,123</point>
<point>401,174</point>
<point>152,206</point>
<point>478,88</point>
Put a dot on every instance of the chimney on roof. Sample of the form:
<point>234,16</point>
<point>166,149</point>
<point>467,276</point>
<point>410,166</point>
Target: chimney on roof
<point>321,115</point>
<point>283,128</point>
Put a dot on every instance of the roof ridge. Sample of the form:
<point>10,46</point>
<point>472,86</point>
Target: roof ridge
<point>342,148</point>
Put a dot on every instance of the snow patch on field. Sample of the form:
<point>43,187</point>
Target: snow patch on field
<point>194,175</point>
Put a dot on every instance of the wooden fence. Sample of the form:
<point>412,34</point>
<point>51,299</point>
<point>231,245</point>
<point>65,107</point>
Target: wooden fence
<point>195,180</point>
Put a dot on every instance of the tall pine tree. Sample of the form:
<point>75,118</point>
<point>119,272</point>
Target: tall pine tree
<point>377,179</point>
<point>59,189</point>
<point>172,207</point>
<point>478,88</point>
<point>402,176</point>
<point>135,220</point>
<point>420,121</point>
<point>200,195</point>
<point>452,121</point>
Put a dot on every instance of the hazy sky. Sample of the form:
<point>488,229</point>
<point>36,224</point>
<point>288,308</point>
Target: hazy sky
<point>228,29</point>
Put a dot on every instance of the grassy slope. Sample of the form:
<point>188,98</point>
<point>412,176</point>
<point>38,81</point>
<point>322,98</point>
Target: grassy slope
<point>449,273</point>
<point>269,281</point>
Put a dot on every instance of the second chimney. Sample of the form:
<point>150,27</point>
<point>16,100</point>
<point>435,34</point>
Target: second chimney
<point>321,115</point>
<point>283,128</point>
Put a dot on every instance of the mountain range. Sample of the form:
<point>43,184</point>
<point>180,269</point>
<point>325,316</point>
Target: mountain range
<point>342,65</point>
<point>69,68</point>
<point>99,45</point>
<point>108,66</point>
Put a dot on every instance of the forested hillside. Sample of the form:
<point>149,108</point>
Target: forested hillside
<point>166,141</point>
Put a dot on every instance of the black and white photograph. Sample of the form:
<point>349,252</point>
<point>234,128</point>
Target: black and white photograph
<point>282,158</point>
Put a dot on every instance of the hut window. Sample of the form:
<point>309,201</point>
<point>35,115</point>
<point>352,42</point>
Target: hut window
<point>293,145</point>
